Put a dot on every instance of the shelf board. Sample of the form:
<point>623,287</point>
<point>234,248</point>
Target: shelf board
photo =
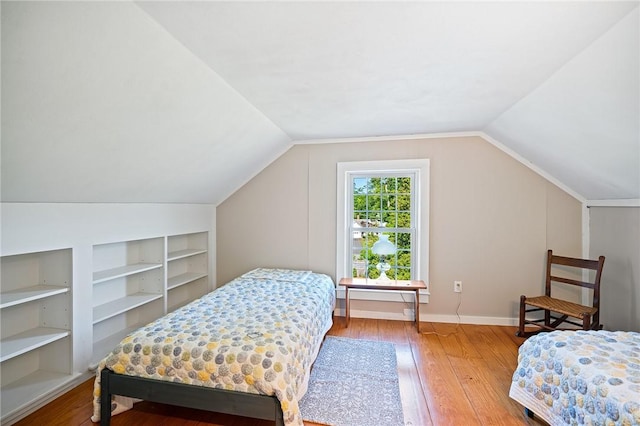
<point>179,254</point>
<point>29,294</point>
<point>29,340</point>
<point>119,306</point>
<point>123,271</point>
<point>183,279</point>
<point>27,390</point>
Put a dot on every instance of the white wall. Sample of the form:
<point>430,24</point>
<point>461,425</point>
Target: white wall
<point>491,222</point>
<point>33,227</point>
<point>615,233</point>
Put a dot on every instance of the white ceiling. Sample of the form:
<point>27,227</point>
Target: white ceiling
<point>177,101</point>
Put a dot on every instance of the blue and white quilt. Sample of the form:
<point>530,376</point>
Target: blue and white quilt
<point>260,334</point>
<point>580,377</point>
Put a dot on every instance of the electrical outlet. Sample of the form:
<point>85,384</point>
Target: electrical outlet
<point>457,286</point>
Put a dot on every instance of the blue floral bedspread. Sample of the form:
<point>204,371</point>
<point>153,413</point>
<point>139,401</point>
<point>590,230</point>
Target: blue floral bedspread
<point>259,334</point>
<point>580,377</point>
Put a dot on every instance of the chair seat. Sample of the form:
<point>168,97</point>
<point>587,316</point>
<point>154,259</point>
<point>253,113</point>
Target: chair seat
<point>562,306</point>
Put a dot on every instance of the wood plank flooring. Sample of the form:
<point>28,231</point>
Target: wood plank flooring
<point>449,375</point>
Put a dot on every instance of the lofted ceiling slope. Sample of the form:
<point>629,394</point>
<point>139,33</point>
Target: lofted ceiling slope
<point>176,101</point>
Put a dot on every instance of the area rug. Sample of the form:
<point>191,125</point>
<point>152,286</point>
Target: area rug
<point>354,383</point>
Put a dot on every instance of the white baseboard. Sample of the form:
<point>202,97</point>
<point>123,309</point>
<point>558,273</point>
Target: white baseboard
<point>468,319</point>
<point>426,317</point>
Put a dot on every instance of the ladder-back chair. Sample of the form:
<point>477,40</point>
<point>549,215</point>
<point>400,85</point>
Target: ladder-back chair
<point>561,311</point>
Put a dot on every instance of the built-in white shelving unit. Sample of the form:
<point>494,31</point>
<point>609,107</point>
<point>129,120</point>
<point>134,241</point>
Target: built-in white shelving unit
<point>136,282</point>
<point>128,288</point>
<point>128,283</point>
<point>76,278</point>
<point>35,309</point>
<point>187,268</point>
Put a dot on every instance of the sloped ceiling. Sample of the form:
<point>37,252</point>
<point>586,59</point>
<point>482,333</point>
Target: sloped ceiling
<point>176,101</point>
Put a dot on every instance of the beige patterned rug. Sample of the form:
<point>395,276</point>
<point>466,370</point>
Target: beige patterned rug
<point>354,383</point>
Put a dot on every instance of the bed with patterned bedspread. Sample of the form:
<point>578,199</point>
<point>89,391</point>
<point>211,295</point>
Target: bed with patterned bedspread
<point>258,334</point>
<point>580,377</point>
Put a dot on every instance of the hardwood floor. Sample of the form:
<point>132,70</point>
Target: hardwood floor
<point>449,375</point>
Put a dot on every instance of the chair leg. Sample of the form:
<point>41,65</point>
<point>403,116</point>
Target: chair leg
<point>520,332</point>
<point>595,323</point>
<point>547,319</point>
<point>586,322</point>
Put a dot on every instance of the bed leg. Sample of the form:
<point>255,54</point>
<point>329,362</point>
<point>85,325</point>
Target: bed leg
<point>528,412</point>
<point>105,398</point>
<point>279,415</point>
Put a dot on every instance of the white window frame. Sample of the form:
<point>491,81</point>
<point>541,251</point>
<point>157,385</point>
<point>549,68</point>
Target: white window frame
<point>419,170</point>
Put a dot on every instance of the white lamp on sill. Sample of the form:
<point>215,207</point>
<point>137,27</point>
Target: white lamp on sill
<point>383,247</point>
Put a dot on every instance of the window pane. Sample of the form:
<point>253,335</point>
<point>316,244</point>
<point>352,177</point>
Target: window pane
<point>403,271</point>
<point>373,202</point>
<point>390,185</point>
<point>374,218</point>
<point>404,202</point>
<point>374,185</point>
<point>390,219</point>
<point>404,185</point>
<point>389,202</point>
<point>360,185</point>
<point>359,202</point>
<point>359,262</point>
<point>404,220</point>
<point>403,241</point>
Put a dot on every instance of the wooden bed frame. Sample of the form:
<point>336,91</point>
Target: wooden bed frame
<point>190,396</point>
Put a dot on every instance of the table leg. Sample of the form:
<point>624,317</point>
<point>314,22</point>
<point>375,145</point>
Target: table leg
<point>346,304</point>
<point>417,310</point>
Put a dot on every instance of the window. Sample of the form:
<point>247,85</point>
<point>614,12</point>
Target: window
<point>383,198</point>
<point>381,203</point>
